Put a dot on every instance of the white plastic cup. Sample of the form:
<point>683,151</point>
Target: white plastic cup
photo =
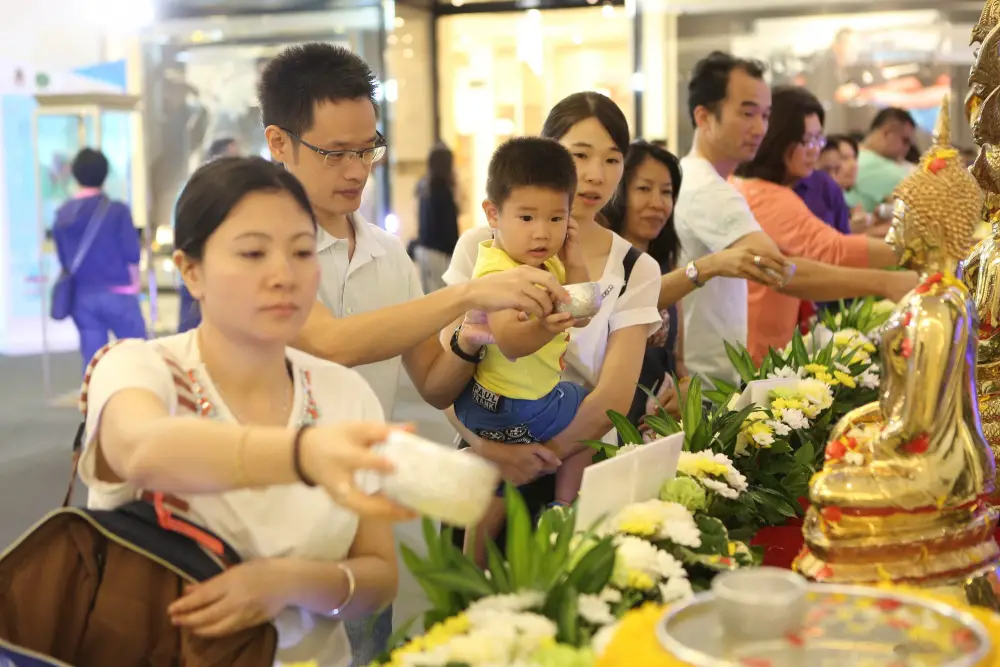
<point>760,604</point>
<point>586,300</point>
<point>437,481</point>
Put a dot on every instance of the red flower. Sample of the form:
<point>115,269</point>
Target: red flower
<point>835,450</point>
<point>888,604</point>
<point>825,572</point>
<point>936,165</point>
<point>918,445</point>
<point>906,348</point>
<point>832,514</point>
<point>907,318</point>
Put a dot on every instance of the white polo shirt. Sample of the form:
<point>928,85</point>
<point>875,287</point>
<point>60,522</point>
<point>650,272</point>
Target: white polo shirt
<point>710,216</point>
<point>380,274</point>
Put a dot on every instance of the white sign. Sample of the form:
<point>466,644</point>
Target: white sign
<point>629,478</point>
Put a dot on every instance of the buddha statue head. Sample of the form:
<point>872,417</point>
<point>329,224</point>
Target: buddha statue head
<point>937,207</point>
<point>984,75</point>
<point>987,21</point>
<point>986,134</point>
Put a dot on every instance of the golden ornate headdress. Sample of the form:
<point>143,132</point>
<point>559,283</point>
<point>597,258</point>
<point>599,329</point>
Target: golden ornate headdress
<point>985,73</point>
<point>944,199</point>
<point>987,20</point>
<point>986,134</point>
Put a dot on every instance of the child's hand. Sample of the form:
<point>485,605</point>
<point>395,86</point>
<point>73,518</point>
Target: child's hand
<point>557,323</point>
<point>571,252</point>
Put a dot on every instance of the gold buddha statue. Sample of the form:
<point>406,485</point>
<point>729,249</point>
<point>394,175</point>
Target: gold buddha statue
<point>981,272</point>
<point>916,509</point>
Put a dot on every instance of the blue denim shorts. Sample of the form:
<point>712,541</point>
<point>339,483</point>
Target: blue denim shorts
<point>518,421</point>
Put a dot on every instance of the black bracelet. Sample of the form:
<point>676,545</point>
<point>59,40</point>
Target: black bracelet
<point>297,455</point>
<point>459,352</point>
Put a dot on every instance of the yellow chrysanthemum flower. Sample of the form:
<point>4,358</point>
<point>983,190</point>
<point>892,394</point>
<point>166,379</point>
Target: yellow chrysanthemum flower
<point>845,379</point>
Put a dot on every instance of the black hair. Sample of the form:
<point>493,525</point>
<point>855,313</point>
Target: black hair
<point>302,76</point>
<point>790,107</point>
<point>666,247</point>
<point>441,168</point>
<point>90,168</point>
<point>219,147</point>
<point>892,115</point>
<point>579,107</point>
<point>530,162</point>
<point>217,187</point>
<point>834,141</point>
<point>709,84</point>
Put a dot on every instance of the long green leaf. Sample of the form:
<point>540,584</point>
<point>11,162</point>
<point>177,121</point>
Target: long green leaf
<point>736,359</point>
<point>499,572</point>
<point>520,554</point>
<point>568,623</point>
<point>433,541</point>
<point>626,430</point>
<point>458,583</point>
<point>799,349</point>
<point>601,447</point>
<point>693,409</point>
<point>665,425</point>
<point>593,572</point>
<point>439,598</point>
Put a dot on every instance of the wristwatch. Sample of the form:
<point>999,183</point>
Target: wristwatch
<point>462,354</point>
<point>692,273</point>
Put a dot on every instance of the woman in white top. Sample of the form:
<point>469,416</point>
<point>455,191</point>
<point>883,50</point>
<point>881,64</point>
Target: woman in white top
<point>264,423</point>
<point>607,354</point>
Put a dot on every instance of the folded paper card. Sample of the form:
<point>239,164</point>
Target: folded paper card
<point>627,478</point>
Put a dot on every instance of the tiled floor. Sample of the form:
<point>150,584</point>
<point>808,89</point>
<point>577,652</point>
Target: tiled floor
<point>36,434</point>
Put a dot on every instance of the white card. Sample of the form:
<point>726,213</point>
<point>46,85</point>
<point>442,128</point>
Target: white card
<point>612,484</point>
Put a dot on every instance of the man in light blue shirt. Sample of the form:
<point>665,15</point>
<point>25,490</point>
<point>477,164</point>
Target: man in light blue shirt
<point>881,163</point>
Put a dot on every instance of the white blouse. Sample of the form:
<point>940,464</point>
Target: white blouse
<point>255,522</point>
<point>587,346</point>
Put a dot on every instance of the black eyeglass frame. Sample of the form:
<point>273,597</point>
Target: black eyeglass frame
<point>377,151</point>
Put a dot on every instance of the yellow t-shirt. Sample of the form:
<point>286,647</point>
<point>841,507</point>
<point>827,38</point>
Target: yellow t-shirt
<point>527,378</point>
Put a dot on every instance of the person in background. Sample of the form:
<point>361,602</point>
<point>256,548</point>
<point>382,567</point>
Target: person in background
<point>106,281</point>
<point>190,316</point>
<point>787,155</point>
<point>437,231</point>
<point>730,106</point>
<point>881,162</point>
<point>839,158</point>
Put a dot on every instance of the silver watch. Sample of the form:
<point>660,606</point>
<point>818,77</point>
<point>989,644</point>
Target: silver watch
<point>692,273</point>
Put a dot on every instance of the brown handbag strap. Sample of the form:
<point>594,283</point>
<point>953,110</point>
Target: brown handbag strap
<point>186,400</point>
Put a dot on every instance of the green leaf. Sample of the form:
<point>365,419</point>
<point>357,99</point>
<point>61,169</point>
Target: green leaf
<point>593,572</point>
<point>725,387</point>
<point>692,413</point>
<point>626,430</point>
<point>714,537</point>
<point>568,619</point>
<point>458,582</point>
<point>398,636</point>
<point>799,352</point>
<point>806,454</point>
<point>433,541</point>
<point>601,447</point>
<point>520,555</point>
<point>499,572</point>
<point>736,358</point>
<point>777,502</point>
<point>663,426</point>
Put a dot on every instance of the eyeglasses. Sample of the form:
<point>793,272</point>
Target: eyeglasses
<point>346,157</point>
<point>814,142</point>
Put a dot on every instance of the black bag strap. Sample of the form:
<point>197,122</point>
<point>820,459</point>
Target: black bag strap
<point>628,263</point>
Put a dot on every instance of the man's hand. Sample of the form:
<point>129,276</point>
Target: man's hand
<point>525,288</point>
<point>519,464</point>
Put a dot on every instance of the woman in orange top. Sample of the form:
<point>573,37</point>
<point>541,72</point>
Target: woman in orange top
<point>789,153</point>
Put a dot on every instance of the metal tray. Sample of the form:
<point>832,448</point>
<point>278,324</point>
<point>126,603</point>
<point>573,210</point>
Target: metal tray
<point>844,625</point>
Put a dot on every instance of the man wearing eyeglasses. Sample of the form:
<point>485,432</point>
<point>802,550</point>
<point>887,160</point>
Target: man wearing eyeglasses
<point>319,113</point>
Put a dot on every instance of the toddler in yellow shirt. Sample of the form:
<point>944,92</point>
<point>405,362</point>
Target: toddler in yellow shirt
<point>517,394</point>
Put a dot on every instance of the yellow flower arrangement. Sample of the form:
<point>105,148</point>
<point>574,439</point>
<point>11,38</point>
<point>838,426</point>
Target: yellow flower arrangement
<point>437,636</point>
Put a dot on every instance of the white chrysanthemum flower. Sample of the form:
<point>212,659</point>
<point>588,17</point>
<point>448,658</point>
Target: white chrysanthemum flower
<point>594,610</point>
<point>625,449</point>
<point>841,367</point>
<point>611,595</point>
<point>868,379</point>
<point>794,418</point>
<point>705,465</point>
<point>719,487</point>
<point>659,520</point>
<point>508,602</point>
<point>779,428</point>
<point>641,565</point>
<point>786,373</point>
<point>764,439</point>
<point>677,589</point>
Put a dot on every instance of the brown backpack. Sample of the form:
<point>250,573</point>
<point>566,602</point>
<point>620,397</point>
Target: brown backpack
<point>89,588</point>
